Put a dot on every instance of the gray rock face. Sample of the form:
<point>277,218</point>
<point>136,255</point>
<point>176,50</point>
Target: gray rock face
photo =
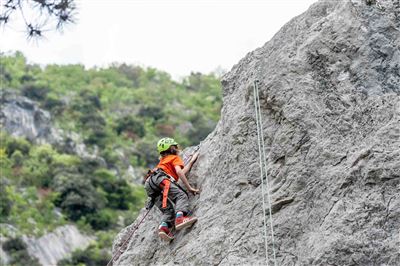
<point>22,117</point>
<point>49,248</point>
<point>330,102</point>
<point>57,245</point>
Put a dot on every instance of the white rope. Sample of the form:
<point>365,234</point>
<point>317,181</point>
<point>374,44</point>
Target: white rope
<point>263,164</point>
<point>261,171</point>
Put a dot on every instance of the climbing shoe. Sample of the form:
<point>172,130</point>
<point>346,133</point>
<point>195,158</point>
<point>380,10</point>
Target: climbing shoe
<point>164,233</point>
<point>184,221</point>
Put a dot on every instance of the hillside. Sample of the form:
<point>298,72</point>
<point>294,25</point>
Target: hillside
<point>75,144</point>
<point>329,85</point>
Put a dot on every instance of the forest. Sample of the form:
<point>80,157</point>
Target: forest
<point>118,113</point>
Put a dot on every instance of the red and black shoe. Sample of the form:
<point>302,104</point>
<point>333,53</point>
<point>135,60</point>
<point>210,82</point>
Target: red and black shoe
<point>184,221</point>
<point>164,233</point>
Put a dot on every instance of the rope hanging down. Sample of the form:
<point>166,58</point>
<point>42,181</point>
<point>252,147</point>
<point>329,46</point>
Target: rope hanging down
<point>124,245</point>
<point>263,169</point>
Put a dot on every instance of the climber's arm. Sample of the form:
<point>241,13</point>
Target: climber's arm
<point>187,167</point>
<point>182,176</point>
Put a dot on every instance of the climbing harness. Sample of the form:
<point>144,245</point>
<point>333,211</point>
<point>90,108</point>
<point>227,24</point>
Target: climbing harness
<point>263,168</point>
<point>167,184</point>
<point>125,245</point>
<point>161,187</point>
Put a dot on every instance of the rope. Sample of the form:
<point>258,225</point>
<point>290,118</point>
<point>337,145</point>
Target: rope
<point>261,171</point>
<point>124,246</point>
<point>263,162</point>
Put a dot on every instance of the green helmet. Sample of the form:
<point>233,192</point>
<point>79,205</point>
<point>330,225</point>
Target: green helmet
<point>164,144</point>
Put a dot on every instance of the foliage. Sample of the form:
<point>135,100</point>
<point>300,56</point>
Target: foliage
<point>35,91</point>
<point>17,144</point>
<point>119,194</point>
<point>118,113</point>
<point>66,160</point>
<point>101,220</point>
<point>76,196</point>
<point>154,112</point>
<point>17,158</point>
<point>146,153</point>
<point>30,213</point>
<point>130,125</point>
<point>91,256</point>
<point>97,136</point>
<point>5,202</point>
<point>110,155</point>
<point>19,254</point>
<point>12,70</point>
<point>201,129</point>
<point>14,244</point>
<point>122,103</point>
<point>54,104</point>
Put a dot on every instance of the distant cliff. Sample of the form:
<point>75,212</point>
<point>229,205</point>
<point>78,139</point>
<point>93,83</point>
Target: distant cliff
<point>22,117</point>
<point>330,103</point>
<point>52,247</point>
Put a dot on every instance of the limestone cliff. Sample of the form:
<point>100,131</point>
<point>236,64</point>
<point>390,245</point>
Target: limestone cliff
<point>330,102</point>
<point>22,117</point>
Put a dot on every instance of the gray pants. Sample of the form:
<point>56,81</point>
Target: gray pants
<point>178,201</point>
<point>175,197</point>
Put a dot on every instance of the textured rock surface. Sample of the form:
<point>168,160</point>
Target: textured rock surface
<point>330,101</point>
<point>57,245</point>
<point>20,116</point>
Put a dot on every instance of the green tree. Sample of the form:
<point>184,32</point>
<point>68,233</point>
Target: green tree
<point>76,196</point>
<point>19,254</point>
<point>101,220</point>
<point>133,73</point>
<point>91,256</point>
<point>155,112</point>
<point>54,105</point>
<point>146,153</point>
<point>17,158</point>
<point>119,193</point>
<point>17,144</point>
<point>5,202</point>
<point>12,69</point>
<point>35,91</point>
<point>201,129</point>
<point>130,125</point>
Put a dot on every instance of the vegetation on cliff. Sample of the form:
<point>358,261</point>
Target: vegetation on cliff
<point>119,113</point>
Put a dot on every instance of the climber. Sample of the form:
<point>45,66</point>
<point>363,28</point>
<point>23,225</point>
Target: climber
<point>164,191</point>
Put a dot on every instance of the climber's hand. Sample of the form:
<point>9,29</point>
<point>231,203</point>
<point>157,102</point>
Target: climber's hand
<point>194,190</point>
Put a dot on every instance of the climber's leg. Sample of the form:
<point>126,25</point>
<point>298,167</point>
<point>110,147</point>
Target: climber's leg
<point>167,219</point>
<point>181,200</point>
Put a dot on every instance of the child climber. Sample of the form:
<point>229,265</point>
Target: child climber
<point>164,191</point>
